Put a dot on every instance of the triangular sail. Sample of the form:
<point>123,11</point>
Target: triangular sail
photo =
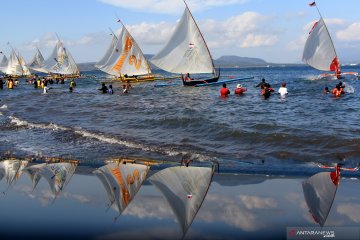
<point>37,62</point>
<point>60,62</point>
<point>185,189</point>
<point>34,173</point>
<point>319,51</point>
<point>186,51</point>
<point>102,63</point>
<point>122,182</point>
<point>3,63</point>
<point>319,192</point>
<point>11,170</point>
<point>58,175</point>
<point>126,57</point>
<point>16,65</point>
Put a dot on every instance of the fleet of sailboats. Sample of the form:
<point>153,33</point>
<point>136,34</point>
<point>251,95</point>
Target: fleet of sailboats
<point>319,51</point>
<point>16,65</point>
<point>37,63</point>
<point>187,52</point>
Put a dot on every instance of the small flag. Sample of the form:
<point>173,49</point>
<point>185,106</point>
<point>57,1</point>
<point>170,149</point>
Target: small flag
<point>118,20</point>
<point>189,196</point>
<point>1,52</point>
<point>191,45</point>
<point>312,4</point>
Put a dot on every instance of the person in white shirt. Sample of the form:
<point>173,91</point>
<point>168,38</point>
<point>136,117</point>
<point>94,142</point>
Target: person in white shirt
<point>283,90</point>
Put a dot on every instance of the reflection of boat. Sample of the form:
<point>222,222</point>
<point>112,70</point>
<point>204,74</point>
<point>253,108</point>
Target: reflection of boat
<point>11,170</point>
<point>319,192</point>
<point>319,51</point>
<point>187,52</point>
<point>185,189</point>
<point>125,60</point>
<point>58,175</point>
<point>121,181</point>
<point>34,173</point>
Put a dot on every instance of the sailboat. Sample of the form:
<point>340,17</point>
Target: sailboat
<point>37,62</point>
<point>187,52</point>
<point>60,63</point>
<point>3,63</point>
<point>121,181</point>
<point>185,189</point>
<point>16,66</point>
<point>58,175</point>
<point>319,51</point>
<point>125,60</point>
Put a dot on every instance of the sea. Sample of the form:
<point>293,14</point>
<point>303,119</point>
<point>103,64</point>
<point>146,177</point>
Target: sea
<point>166,123</point>
<point>263,152</point>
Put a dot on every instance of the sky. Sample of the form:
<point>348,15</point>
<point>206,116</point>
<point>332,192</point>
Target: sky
<point>274,30</point>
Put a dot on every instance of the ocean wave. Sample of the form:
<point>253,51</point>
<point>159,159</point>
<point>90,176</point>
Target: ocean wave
<point>103,138</point>
<point>23,123</point>
<point>4,106</point>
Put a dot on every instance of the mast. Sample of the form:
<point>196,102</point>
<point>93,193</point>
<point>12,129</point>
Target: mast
<point>214,71</point>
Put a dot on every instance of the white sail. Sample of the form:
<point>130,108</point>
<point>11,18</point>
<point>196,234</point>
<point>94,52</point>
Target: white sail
<point>16,65</point>
<point>122,182</point>
<point>34,173</point>
<point>185,189</point>
<point>60,62</point>
<point>3,63</point>
<point>58,175</point>
<point>126,57</point>
<point>37,62</point>
<point>319,191</point>
<point>319,51</point>
<point>12,170</point>
<point>186,51</point>
<point>102,63</point>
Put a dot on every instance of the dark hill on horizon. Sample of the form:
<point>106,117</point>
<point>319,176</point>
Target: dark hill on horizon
<point>224,62</point>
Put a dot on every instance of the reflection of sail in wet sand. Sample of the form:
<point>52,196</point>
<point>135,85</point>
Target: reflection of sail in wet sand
<point>11,170</point>
<point>122,182</point>
<point>185,189</point>
<point>58,175</point>
<point>34,173</point>
<point>319,191</point>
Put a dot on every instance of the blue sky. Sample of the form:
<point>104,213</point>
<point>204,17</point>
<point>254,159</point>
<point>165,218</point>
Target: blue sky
<point>274,30</point>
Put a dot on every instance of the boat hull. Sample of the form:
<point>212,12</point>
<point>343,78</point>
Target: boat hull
<point>196,82</point>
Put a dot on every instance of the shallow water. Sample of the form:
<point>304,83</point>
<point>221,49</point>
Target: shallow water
<point>237,206</point>
<point>168,122</point>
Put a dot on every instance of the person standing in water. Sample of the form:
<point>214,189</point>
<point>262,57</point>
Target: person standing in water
<point>1,84</point>
<point>283,90</point>
<point>110,90</point>
<point>239,90</point>
<point>224,91</point>
<point>72,84</point>
<point>103,88</point>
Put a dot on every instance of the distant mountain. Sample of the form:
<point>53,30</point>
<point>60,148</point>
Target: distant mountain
<point>236,61</point>
<point>224,61</point>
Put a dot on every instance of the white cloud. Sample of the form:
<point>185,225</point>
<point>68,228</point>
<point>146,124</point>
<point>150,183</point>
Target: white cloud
<point>350,34</point>
<point>351,210</point>
<point>253,40</point>
<point>247,30</point>
<point>169,7</point>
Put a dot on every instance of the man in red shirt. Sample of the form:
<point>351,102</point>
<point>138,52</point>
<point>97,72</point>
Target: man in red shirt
<point>224,91</point>
<point>239,89</point>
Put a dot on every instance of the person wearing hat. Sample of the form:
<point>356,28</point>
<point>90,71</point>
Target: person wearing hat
<point>239,90</point>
